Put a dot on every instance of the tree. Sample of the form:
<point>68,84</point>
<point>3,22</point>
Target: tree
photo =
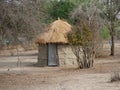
<point>60,8</point>
<point>20,20</point>
<point>81,41</point>
<point>85,36</point>
<point>110,12</point>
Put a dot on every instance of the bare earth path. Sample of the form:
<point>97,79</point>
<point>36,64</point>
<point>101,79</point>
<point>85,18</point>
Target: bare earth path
<point>29,77</point>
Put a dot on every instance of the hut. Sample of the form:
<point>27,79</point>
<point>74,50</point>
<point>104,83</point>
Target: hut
<point>54,49</point>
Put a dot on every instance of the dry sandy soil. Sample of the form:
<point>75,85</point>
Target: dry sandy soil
<point>26,76</point>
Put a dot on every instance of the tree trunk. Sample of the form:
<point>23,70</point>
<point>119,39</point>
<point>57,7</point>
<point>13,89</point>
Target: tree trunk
<point>88,56</point>
<point>87,61</point>
<point>112,46</point>
<point>112,39</point>
<point>80,65</point>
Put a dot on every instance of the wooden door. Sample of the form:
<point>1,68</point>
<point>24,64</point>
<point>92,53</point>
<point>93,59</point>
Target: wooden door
<point>52,55</point>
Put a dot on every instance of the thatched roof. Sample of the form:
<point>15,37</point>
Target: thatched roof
<point>56,32</point>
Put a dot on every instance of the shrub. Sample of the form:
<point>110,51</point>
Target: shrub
<point>115,77</point>
<point>105,33</point>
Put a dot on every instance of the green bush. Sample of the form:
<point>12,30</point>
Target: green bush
<point>60,9</point>
<point>118,33</point>
<point>105,33</point>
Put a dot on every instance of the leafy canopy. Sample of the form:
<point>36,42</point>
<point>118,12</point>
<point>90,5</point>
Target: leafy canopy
<point>60,9</point>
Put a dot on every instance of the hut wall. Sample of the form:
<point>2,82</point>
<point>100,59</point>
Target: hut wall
<point>66,56</point>
<point>42,55</point>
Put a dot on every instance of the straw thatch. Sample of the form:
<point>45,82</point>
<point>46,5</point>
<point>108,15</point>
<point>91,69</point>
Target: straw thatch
<point>56,32</point>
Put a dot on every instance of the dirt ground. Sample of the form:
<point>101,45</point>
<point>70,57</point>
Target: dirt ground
<point>25,75</point>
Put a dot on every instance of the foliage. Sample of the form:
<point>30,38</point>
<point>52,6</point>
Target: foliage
<point>60,9</point>
<point>82,36</point>
<point>110,9</point>
<point>105,33</point>
<point>118,33</point>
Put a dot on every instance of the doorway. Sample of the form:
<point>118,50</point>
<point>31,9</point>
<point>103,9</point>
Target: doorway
<point>52,55</point>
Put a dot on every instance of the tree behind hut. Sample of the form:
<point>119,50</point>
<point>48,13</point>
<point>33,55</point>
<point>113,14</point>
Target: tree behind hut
<point>59,8</point>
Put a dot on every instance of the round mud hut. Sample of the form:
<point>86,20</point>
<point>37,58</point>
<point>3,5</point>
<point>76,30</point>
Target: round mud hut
<point>54,49</point>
